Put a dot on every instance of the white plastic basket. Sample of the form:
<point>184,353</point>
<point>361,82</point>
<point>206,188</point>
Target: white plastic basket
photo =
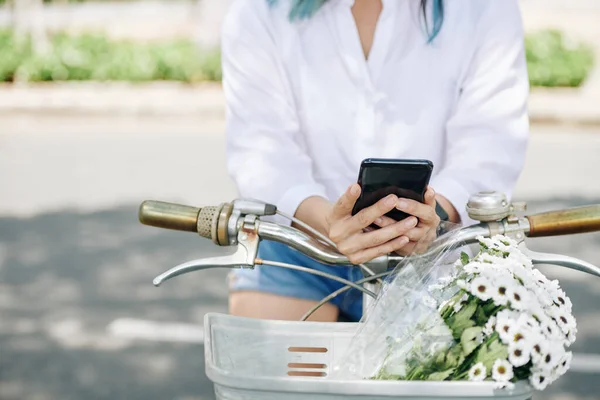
<point>249,359</point>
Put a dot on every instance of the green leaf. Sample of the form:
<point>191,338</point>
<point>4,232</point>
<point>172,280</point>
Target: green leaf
<point>462,319</point>
<point>469,341</point>
<point>454,357</point>
<point>491,351</point>
<point>440,376</point>
<point>464,258</point>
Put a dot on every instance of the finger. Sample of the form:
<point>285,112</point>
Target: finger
<point>430,197</point>
<point>424,212</point>
<point>384,221</point>
<point>344,205</point>
<point>378,237</point>
<point>367,216</point>
<point>417,233</point>
<point>366,255</point>
<point>407,249</point>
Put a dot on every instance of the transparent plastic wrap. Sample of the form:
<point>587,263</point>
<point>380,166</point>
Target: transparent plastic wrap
<point>403,328</point>
<point>452,315</point>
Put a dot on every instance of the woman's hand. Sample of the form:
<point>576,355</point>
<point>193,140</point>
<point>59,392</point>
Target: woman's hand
<point>352,236</point>
<point>425,231</point>
<point>357,240</point>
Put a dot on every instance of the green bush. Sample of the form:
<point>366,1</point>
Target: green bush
<point>552,60</point>
<point>93,57</point>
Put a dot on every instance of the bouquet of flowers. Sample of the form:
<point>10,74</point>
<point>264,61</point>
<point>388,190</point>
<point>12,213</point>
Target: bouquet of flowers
<point>507,322</point>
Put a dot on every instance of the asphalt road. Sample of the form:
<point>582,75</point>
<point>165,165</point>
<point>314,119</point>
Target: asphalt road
<point>74,259</point>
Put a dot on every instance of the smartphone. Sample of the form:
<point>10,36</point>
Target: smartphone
<point>380,177</point>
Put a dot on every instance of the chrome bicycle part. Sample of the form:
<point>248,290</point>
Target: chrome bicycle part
<point>244,256</point>
<point>492,206</point>
<point>238,224</point>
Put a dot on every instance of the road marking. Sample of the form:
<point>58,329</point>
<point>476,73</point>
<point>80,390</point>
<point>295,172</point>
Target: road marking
<point>130,328</point>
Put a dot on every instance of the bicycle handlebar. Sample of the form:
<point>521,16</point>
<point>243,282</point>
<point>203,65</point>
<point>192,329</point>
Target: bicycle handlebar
<point>565,222</point>
<point>238,224</point>
<point>178,217</point>
<point>223,223</point>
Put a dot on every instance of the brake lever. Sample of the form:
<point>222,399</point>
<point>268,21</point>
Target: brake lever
<point>244,257</point>
<point>559,260</point>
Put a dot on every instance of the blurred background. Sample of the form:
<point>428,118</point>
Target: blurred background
<point>104,104</point>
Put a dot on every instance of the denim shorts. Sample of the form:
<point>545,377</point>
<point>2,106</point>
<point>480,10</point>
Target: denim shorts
<point>289,283</point>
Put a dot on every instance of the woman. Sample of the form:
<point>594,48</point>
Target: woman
<point>314,87</point>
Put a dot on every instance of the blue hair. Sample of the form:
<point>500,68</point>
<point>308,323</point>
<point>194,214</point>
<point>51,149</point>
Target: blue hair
<point>306,8</point>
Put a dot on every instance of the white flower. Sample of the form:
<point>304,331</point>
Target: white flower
<point>445,280</point>
<point>571,337</point>
<point>499,243</point>
<point>520,258</point>
<point>505,320</point>
<point>462,284</point>
<point>489,259</point>
<point>518,354</point>
<point>503,327</point>
<point>523,275</point>
<point>539,380</point>
<point>562,300</point>
<point>474,267</point>
<point>552,358</point>
<point>459,303</point>
<point>550,329</point>
<point>539,348</point>
<point>552,286</point>
<point>529,321</point>
<point>544,297</point>
<point>477,372</point>
<point>490,326</point>
<point>500,292</point>
<point>520,332</point>
<point>502,371</point>
<point>564,320</point>
<point>537,312</point>
<point>481,288</point>
<point>518,297</point>
<point>565,363</point>
<point>539,278</point>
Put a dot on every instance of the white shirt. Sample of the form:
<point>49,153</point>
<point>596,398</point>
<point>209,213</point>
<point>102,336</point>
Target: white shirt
<point>304,107</point>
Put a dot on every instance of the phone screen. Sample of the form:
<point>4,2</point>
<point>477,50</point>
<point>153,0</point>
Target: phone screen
<point>405,178</point>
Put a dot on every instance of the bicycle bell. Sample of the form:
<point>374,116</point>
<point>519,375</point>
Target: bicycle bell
<point>492,206</point>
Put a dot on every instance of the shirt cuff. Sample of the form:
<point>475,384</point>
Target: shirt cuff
<point>291,199</point>
<point>456,194</point>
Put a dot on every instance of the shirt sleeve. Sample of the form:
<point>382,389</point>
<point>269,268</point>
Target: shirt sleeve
<point>265,153</point>
<point>487,133</point>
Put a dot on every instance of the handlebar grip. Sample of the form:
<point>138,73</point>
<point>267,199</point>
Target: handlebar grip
<point>565,222</point>
<point>179,217</point>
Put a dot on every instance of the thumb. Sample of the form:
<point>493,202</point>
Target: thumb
<point>343,206</point>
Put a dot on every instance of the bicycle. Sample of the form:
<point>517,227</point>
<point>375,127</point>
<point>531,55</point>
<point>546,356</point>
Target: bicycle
<point>260,359</point>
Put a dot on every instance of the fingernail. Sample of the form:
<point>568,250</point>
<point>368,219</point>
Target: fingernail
<point>411,222</point>
<point>404,240</point>
<point>354,190</point>
<point>379,221</point>
<point>401,204</point>
<point>390,200</point>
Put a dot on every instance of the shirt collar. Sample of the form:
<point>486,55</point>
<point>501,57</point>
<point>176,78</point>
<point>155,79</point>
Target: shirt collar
<point>387,4</point>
